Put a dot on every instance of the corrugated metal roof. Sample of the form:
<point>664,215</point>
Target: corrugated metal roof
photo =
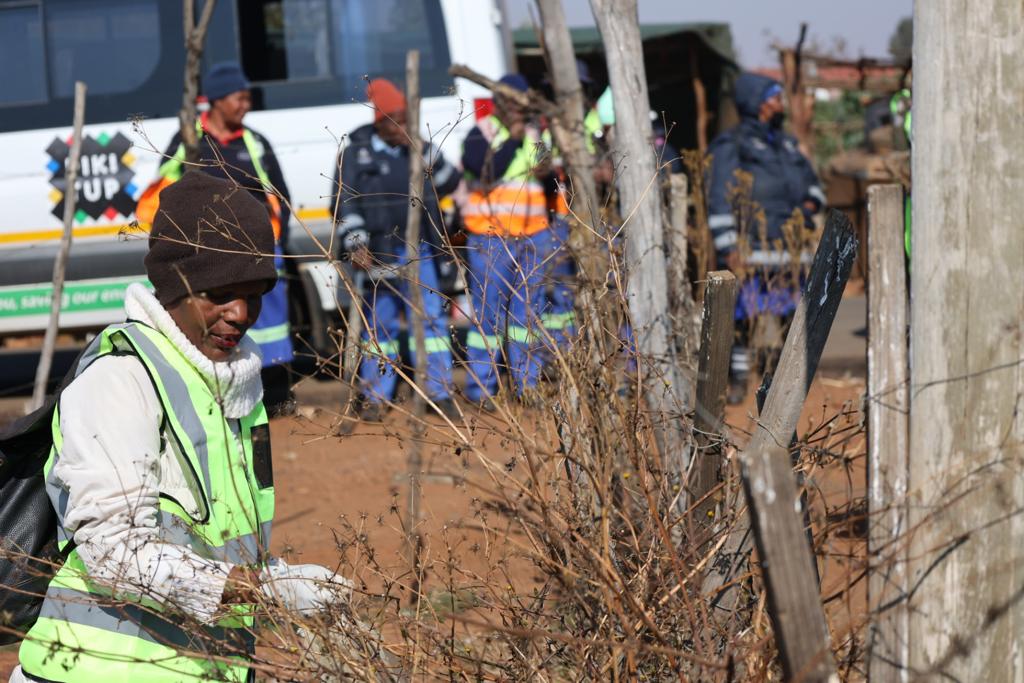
<point>587,40</point>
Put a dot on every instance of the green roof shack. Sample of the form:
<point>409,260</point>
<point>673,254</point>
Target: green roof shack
<point>690,67</point>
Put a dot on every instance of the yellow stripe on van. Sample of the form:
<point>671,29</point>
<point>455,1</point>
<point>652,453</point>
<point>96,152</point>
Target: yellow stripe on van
<point>107,230</point>
<point>84,231</point>
<point>307,214</point>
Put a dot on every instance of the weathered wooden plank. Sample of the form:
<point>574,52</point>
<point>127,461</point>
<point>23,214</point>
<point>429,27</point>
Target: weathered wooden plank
<point>787,565</point>
<point>888,418</point>
<point>716,338</point>
<point>680,297</point>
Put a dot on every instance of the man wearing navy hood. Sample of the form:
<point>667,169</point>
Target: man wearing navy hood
<point>783,180</point>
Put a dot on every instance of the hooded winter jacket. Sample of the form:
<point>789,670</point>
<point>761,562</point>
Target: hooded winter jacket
<point>783,178</point>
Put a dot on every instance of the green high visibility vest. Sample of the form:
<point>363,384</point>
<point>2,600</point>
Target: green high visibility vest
<point>593,129</point>
<point>902,114</point>
<point>86,634</point>
<point>173,168</point>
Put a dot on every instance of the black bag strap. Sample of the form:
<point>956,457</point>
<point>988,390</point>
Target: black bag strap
<point>29,434</point>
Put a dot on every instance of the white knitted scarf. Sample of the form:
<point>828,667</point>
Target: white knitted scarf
<point>236,382</point>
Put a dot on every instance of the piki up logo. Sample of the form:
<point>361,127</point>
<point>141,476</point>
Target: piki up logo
<point>104,177</point>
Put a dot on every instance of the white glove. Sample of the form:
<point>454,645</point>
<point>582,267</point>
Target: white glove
<point>303,588</point>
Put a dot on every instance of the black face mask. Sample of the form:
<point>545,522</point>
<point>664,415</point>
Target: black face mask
<point>776,121</point>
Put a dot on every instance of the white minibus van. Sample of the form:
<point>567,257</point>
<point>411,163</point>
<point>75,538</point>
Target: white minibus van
<point>308,61</point>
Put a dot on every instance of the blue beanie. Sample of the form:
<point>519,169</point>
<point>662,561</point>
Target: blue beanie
<point>516,82</point>
<point>223,79</point>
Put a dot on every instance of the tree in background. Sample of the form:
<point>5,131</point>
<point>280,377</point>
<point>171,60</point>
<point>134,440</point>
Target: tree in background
<point>901,43</point>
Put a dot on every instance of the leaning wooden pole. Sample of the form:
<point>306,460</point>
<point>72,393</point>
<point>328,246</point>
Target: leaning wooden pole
<point>60,265</point>
<point>888,417</point>
<point>966,482</point>
<point>798,363</point>
<point>412,250</point>
<point>666,387</point>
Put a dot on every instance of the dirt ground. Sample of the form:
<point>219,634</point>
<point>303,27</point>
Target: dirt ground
<point>326,486</point>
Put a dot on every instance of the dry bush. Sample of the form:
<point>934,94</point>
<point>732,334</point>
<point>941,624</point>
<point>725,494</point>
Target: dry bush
<point>578,561</point>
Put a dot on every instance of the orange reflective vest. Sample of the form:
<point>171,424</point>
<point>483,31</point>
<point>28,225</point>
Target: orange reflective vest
<point>515,205</point>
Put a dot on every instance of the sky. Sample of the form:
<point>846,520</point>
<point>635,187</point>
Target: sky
<point>865,25</point>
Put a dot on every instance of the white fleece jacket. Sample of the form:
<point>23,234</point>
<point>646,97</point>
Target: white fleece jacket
<point>113,468</point>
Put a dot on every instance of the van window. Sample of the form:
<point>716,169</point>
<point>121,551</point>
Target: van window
<point>284,39</point>
<point>372,38</point>
<point>21,44</point>
<point>315,52</point>
<point>112,45</point>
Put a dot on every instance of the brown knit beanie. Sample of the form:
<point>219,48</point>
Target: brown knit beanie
<point>208,233</point>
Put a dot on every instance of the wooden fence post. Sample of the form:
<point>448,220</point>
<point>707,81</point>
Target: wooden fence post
<point>59,266</point>
<point>412,246</point>
<point>787,565</point>
<point>888,422</point>
<point>716,338</point>
<point>680,293</point>
<point>784,403</point>
<point>966,465</point>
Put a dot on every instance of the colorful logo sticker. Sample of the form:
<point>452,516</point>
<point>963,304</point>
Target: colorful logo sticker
<point>104,177</point>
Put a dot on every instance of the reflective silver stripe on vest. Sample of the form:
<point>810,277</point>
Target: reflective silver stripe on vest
<point>774,257</point>
<point>519,209</point>
<point>244,549</point>
<point>61,508</point>
<point>76,607</point>
<point>265,528</point>
<point>177,393</point>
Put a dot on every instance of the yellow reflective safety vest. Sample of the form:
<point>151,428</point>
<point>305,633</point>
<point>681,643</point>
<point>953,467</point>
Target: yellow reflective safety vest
<point>83,632</point>
<point>515,205</point>
<point>171,171</point>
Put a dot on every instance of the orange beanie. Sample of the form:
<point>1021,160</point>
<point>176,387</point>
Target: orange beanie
<point>385,97</point>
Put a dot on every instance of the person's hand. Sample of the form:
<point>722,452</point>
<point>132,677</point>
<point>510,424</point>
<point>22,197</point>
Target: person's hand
<point>303,588</point>
<point>242,586</point>
<point>362,258</point>
<point>355,241</point>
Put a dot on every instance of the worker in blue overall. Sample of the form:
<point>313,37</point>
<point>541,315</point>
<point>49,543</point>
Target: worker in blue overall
<point>229,149</point>
<point>783,182</point>
<point>373,211</point>
<point>505,216</point>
